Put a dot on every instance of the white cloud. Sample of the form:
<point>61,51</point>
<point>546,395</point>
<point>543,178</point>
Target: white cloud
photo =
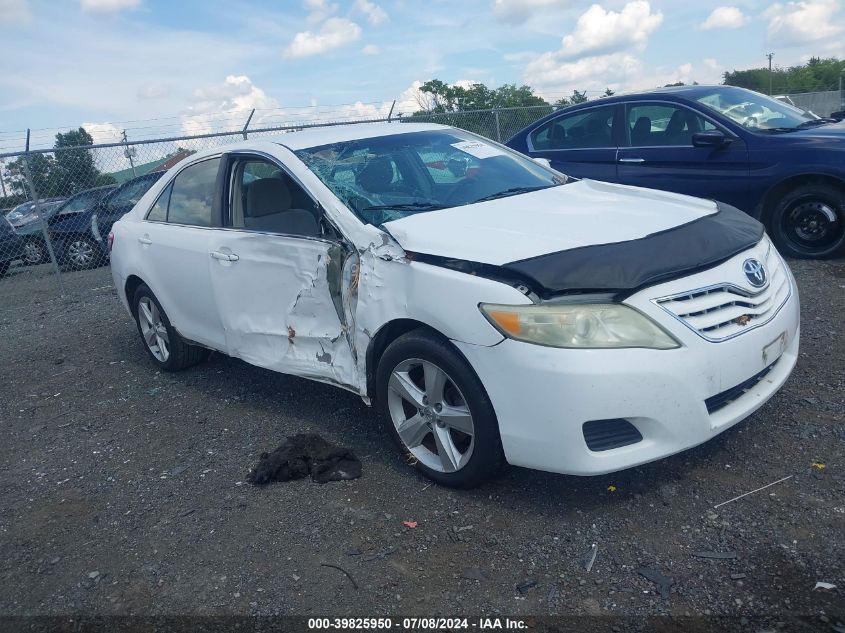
<point>724,18</point>
<point>319,10</point>
<point>153,90</point>
<point>108,6</point>
<point>234,99</point>
<point>104,132</point>
<point>548,72</point>
<point>375,14</point>
<point>518,11</point>
<point>15,12</point>
<point>802,22</point>
<point>601,31</point>
<point>334,33</point>
<point>371,49</point>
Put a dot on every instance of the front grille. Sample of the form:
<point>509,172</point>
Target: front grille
<point>723,311</point>
<point>603,435</point>
<point>721,400</point>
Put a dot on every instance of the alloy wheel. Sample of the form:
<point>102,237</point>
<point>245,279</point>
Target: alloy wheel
<point>33,253</point>
<point>80,253</point>
<point>153,329</point>
<point>430,415</point>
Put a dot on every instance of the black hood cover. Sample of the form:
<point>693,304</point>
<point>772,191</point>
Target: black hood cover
<point>623,268</point>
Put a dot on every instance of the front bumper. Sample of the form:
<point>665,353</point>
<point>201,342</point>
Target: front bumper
<point>543,396</point>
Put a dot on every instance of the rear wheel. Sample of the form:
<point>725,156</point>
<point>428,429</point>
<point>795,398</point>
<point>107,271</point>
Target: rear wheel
<point>164,345</point>
<point>437,411</point>
<point>809,222</point>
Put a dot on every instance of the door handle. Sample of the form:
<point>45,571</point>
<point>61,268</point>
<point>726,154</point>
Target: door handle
<point>225,257</point>
<point>632,161</point>
<point>145,240</point>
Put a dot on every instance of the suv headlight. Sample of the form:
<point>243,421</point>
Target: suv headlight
<point>587,325</point>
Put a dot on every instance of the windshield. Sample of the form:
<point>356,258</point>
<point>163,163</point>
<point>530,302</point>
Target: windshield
<point>82,201</point>
<point>755,111</point>
<point>390,177</point>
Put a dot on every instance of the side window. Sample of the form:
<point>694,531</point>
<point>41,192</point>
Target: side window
<point>579,130</point>
<point>265,198</point>
<point>131,193</point>
<point>158,212</point>
<point>192,194</point>
<point>656,125</point>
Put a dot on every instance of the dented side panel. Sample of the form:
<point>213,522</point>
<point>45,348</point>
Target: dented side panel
<point>277,308</point>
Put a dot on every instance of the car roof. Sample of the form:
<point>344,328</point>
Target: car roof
<point>685,92</point>
<point>323,135</point>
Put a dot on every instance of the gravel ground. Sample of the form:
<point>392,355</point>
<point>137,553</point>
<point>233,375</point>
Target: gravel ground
<point>123,492</point>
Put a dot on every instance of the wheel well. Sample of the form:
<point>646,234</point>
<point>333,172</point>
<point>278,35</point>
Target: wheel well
<point>131,286</point>
<point>384,337</point>
<point>779,190</point>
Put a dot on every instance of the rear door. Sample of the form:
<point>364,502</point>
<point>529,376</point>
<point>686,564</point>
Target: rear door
<point>658,153</point>
<point>276,270</point>
<point>174,244</point>
<point>581,144</point>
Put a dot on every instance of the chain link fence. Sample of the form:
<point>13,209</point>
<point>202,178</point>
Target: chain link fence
<point>58,205</point>
<point>820,103</point>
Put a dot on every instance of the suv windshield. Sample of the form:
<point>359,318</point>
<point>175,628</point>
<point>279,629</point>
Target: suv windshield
<point>757,112</point>
<point>390,177</point>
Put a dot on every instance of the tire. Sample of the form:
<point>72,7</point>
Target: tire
<point>82,253</point>
<point>34,252</point>
<point>167,349</point>
<point>809,222</point>
<point>434,430</point>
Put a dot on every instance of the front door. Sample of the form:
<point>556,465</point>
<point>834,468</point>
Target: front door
<point>659,154</point>
<point>277,277</point>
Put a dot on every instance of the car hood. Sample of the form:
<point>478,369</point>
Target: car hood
<point>563,218</point>
<point>829,131</point>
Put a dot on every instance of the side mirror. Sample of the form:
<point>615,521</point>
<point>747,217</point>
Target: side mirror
<point>545,162</point>
<point>711,138</point>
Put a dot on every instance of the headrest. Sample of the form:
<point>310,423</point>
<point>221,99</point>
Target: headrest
<point>266,196</point>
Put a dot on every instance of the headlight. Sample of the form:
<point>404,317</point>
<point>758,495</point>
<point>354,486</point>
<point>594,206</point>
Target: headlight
<point>95,228</point>
<point>588,325</point>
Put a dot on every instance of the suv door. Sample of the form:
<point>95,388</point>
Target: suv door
<point>581,144</point>
<point>658,153</point>
<point>173,244</point>
<point>276,270</point>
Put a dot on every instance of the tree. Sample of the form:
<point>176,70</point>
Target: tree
<point>816,75</point>
<point>437,96</point>
<point>65,172</point>
<point>575,98</point>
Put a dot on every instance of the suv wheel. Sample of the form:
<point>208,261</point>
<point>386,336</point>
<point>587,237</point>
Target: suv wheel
<point>164,345</point>
<point>437,411</point>
<point>809,222</point>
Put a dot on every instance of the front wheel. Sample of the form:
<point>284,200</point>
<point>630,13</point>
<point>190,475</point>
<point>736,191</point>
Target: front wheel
<point>437,411</point>
<point>83,253</point>
<point>34,252</point>
<point>163,343</point>
<point>809,222</point>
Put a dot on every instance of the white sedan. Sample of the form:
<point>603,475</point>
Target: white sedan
<point>494,310</point>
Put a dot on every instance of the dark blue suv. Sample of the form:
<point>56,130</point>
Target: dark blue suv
<point>776,162</point>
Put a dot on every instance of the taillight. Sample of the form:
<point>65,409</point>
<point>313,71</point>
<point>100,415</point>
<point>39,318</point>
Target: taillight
<point>111,241</point>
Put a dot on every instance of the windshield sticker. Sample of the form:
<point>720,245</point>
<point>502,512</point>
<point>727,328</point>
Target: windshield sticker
<point>478,149</point>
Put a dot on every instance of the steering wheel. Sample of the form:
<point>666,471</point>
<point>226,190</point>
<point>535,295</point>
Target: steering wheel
<point>459,191</point>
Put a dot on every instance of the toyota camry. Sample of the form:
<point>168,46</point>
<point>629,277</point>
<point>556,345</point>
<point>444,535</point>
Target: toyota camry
<point>493,309</point>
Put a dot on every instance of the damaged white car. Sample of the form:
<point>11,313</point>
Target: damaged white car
<point>494,310</point>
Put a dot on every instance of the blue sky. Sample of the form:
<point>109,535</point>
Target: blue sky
<point>164,67</point>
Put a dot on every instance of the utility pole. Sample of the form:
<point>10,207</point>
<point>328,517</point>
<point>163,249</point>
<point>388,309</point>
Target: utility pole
<point>129,152</point>
<point>770,55</point>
